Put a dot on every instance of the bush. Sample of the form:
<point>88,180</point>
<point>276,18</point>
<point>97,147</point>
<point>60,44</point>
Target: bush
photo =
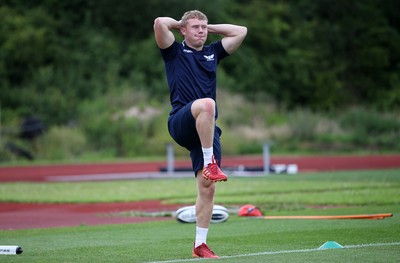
<point>303,125</point>
<point>125,124</point>
<point>61,143</point>
<point>371,128</point>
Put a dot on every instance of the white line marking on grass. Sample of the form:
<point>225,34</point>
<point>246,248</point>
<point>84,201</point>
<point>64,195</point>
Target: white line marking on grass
<point>282,252</point>
<point>373,245</point>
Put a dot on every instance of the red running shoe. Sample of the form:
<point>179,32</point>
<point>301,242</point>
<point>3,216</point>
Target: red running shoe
<point>213,173</point>
<point>203,251</point>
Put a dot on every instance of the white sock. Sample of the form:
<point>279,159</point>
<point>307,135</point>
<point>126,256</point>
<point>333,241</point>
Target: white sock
<point>201,236</point>
<point>207,155</point>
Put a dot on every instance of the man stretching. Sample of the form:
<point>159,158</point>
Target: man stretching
<point>191,69</point>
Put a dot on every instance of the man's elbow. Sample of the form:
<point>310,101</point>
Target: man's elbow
<point>243,31</point>
<point>157,22</point>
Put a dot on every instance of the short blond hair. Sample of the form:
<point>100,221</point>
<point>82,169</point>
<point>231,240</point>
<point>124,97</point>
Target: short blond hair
<point>193,14</point>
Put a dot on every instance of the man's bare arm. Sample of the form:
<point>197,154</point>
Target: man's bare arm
<point>233,35</point>
<point>162,31</point>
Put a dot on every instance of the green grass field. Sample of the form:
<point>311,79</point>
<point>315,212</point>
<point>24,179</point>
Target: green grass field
<point>238,239</point>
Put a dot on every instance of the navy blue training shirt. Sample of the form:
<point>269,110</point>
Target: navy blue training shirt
<point>192,74</point>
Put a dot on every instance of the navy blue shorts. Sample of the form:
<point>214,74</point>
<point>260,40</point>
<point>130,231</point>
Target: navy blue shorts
<point>182,128</point>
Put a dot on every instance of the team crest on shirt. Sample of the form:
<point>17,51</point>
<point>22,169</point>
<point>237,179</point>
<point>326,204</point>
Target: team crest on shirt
<point>210,57</point>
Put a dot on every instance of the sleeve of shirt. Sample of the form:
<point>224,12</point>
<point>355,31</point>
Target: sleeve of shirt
<point>169,53</point>
<point>220,50</point>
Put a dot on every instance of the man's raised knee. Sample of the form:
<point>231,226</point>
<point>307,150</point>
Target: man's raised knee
<point>205,105</point>
<point>208,105</point>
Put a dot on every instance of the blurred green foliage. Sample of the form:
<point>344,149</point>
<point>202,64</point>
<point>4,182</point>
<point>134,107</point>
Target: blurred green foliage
<point>61,60</point>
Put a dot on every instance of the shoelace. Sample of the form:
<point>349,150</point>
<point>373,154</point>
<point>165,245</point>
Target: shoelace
<point>214,168</point>
<point>207,248</point>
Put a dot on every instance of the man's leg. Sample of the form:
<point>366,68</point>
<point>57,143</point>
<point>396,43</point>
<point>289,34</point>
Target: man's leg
<point>203,110</point>
<point>204,208</point>
<point>205,201</point>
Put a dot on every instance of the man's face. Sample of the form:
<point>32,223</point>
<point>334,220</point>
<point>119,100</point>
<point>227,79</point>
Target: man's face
<point>195,33</point>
